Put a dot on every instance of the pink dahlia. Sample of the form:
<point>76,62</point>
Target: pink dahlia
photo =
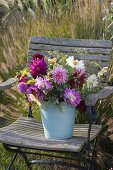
<point>43,84</point>
<point>37,65</point>
<point>59,75</point>
<point>72,97</point>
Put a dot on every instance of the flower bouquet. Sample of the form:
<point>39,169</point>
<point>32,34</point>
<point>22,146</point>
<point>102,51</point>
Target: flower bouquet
<point>56,84</point>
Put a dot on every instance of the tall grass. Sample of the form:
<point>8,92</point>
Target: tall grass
<point>22,19</point>
<point>80,19</point>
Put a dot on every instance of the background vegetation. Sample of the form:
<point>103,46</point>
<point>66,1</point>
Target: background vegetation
<point>19,20</point>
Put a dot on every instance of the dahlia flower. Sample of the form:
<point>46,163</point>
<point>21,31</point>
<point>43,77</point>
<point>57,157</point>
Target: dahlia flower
<point>81,80</point>
<point>77,79</point>
<point>22,87</point>
<point>32,89</point>
<point>59,75</point>
<point>70,61</point>
<point>43,84</point>
<point>38,56</point>
<point>37,66</point>
<point>79,65</point>
<point>92,81</point>
<point>72,97</point>
<point>40,96</point>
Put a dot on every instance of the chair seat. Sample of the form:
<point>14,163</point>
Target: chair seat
<point>28,133</point>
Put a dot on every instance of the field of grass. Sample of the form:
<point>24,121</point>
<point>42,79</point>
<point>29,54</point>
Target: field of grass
<point>71,19</point>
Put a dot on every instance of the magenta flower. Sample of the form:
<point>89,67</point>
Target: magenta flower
<point>38,56</point>
<point>37,65</point>
<point>22,87</point>
<point>59,75</point>
<point>72,97</point>
<point>43,84</point>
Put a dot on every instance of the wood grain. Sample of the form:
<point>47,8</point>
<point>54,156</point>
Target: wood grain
<point>69,49</point>
<point>72,42</point>
<point>27,132</point>
<point>91,99</point>
<point>7,84</point>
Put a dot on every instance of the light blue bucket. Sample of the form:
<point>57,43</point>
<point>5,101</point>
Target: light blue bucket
<point>58,122</point>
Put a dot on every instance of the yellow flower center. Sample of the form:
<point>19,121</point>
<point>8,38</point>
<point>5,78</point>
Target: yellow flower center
<point>75,62</point>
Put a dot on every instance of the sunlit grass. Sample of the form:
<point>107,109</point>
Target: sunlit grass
<point>82,19</point>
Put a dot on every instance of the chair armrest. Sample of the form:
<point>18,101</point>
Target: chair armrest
<point>7,84</point>
<point>91,99</point>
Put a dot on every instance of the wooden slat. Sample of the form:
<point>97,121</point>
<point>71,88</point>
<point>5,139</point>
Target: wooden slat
<point>27,132</point>
<point>72,42</point>
<point>78,56</point>
<point>91,99</point>
<point>7,84</point>
<point>69,49</point>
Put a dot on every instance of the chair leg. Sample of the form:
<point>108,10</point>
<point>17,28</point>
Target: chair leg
<point>26,160</point>
<point>12,161</point>
<point>16,152</point>
<point>92,164</point>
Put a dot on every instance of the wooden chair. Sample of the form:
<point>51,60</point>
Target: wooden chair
<point>27,133</point>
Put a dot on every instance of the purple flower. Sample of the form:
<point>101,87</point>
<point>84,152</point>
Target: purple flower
<point>40,96</point>
<point>38,66</point>
<point>22,87</point>
<point>43,84</point>
<point>72,97</point>
<point>32,89</point>
<point>59,75</point>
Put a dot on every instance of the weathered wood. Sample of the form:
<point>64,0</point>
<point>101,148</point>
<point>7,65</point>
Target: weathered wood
<point>77,56</point>
<point>27,132</point>
<point>91,99</point>
<point>72,42</point>
<point>69,49</point>
<point>7,84</point>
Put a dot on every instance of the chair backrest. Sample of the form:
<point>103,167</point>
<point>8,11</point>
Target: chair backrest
<point>82,49</point>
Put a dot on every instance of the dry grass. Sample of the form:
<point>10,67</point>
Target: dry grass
<point>82,19</point>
